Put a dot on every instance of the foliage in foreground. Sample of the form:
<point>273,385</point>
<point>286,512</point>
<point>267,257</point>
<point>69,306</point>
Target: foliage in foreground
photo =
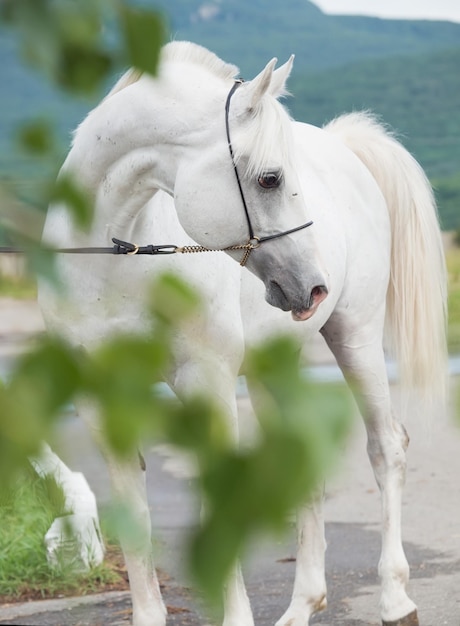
<point>247,491</point>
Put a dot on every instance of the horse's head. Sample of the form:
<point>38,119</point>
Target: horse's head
<point>242,187</point>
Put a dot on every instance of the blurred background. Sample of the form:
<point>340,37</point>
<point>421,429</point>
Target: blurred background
<point>403,65</point>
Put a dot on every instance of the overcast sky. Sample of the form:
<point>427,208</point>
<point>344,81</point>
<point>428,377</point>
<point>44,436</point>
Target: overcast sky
<point>414,9</point>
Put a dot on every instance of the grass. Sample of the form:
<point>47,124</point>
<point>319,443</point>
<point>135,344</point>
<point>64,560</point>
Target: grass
<point>26,513</point>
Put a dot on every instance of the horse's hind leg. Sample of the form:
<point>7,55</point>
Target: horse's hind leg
<point>82,516</point>
<point>360,355</point>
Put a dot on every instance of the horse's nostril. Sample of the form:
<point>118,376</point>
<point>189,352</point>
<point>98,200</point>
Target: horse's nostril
<point>319,290</point>
<point>318,294</point>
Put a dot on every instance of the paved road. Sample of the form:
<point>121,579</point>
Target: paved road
<point>431,533</point>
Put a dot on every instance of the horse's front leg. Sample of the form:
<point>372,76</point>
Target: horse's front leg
<point>309,594</point>
<point>129,486</point>
<point>237,608</point>
<point>128,480</point>
<point>218,381</point>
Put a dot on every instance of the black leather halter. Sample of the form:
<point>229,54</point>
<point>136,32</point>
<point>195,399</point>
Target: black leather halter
<point>254,241</point>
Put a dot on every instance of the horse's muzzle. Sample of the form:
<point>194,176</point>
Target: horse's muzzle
<point>301,308</point>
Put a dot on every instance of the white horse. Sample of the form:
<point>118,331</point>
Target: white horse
<point>161,167</point>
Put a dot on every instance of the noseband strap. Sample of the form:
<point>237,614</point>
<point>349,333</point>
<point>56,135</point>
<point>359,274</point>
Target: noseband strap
<point>254,241</point>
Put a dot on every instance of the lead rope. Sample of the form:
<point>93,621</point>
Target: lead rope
<point>130,249</point>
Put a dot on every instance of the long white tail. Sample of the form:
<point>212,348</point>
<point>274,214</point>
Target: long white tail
<point>417,294</point>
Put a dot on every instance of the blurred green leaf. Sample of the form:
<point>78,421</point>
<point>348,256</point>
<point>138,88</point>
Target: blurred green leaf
<point>81,21</point>
<point>144,34</point>
<point>42,383</point>
<point>121,375</point>
<point>83,69</point>
<point>69,192</point>
<point>65,40</point>
<point>198,426</point>
<point>45,380</point>
<point>41,263</point>
<point>36,137</point>
<point>36,24</point>
<point>173,300</point>
<point>24,10</point>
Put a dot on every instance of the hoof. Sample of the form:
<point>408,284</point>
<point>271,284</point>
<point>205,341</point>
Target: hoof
<point>409,620</point>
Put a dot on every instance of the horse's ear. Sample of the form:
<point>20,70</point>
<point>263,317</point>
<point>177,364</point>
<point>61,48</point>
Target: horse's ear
<point>258,86</point>
<point>268,81</point>
<point>279,78</point>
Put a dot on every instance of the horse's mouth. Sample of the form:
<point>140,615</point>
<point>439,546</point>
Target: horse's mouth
<point>301,309</point>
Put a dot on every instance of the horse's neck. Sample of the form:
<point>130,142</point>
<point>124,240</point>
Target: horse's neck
<point>122,127</point>
<point>130,146</point>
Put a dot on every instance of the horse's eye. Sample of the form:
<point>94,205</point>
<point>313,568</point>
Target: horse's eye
<point>270,180</point>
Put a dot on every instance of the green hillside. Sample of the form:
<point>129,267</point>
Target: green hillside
<point>418,96</point>
<point>250,33</point>
<point>406,71</point>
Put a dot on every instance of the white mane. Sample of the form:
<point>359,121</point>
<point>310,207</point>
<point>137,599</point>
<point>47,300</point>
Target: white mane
<point>187,52</point>
<point>266,140</point>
